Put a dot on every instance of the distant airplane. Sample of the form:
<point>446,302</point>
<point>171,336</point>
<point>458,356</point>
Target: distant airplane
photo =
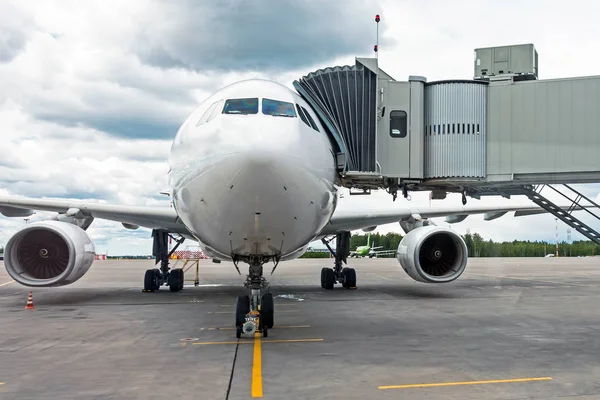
<point>252,178</point>
<point>368,251</point>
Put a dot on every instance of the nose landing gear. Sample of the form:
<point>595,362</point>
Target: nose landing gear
<point>255,312</point>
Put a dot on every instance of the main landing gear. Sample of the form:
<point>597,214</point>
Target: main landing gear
<point>255,312</point>
<point>339,274</point>
<point>155,278</point>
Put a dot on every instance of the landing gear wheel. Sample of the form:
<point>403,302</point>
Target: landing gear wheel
<point>323,273</point>
<point>267,310</point>
<point>175,280</point>
<point>238,332</point>
<point>151,280</point>
<point>265,331</point>
<point>329,278</point>
<point>344,273</point>
<point>241,309</point>
<point>350,278</point>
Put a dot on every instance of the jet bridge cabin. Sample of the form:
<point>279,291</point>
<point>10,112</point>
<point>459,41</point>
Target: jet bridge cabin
<point>502,128</point>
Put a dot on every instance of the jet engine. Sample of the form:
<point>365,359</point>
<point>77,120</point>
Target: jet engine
<point>433,254</point>
<point>49,253</point>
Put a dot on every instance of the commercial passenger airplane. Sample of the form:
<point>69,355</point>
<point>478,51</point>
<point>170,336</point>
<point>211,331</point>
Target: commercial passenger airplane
<point>368,251</point>
<point>253,179</point>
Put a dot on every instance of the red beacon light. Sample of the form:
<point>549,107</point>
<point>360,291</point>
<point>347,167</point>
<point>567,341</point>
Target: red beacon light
<point>377,18</point>
<point>375,48</point>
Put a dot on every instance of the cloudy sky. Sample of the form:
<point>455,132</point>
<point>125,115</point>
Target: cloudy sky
<point>92,93</point>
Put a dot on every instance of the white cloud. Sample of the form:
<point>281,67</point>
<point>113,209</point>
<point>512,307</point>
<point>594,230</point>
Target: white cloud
<point>82,114</point>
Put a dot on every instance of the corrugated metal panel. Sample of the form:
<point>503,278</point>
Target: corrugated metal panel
<point>345,100</point>
<point>455,129</point>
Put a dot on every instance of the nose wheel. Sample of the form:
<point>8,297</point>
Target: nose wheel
<point>249,321</point>
<point>255,312</point>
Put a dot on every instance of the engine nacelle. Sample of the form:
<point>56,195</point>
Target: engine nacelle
<point>49,253</point>
<point>433,254</point>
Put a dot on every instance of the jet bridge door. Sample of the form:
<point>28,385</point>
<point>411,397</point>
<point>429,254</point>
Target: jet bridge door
<point>400,125</point>
<point>393,128</point>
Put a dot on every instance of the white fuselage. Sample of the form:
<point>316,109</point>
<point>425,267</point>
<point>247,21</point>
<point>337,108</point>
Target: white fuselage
<point>252,184</point>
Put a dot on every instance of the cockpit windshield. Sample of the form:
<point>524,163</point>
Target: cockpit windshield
<point>241,106</point>
<point>278,108</point>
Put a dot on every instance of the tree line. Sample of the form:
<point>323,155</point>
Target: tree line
<point>479,247</point>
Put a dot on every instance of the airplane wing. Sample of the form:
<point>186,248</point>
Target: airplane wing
<point>348,220</point>
<point>148,217</point>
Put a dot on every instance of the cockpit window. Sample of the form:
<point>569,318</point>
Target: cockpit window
<point>278,108</point>
<point>302,116</point>
<point>310,119</point>
<point>241,106</point>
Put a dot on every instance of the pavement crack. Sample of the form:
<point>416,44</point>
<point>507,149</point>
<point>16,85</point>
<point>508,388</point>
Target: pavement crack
<point>232,370</point>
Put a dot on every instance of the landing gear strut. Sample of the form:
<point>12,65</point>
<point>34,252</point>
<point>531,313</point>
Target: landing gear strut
<point>255,312</point>
<point>339,274</point>
<point>155,278</point>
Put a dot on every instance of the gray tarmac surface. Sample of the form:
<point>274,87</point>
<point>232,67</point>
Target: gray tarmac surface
<point>504,319</point>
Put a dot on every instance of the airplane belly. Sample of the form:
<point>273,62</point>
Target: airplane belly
<point>253,205</point>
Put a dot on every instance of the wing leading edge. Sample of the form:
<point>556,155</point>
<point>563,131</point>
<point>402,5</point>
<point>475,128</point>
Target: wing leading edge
<point>347,220</point>
<point>148,217</point>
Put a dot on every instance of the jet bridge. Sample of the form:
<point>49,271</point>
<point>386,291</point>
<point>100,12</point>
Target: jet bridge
<point>504,132</point>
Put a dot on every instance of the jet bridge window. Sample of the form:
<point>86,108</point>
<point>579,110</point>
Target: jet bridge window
<point>241,106</point>
<point>398,124</point>
<point>278,108</point>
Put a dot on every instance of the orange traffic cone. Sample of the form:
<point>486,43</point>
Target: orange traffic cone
<point>29,305</point>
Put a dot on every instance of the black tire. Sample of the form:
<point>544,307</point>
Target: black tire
<point>265,332</point>
<point>149,282</point>
<point>174,280</point>
<point>329,278</point>
<point>344,272</point>
<point>323,272</point>
<point>241,309</point>
<point>181,280</point>
<point>350,281</point>
<point>156,278</point>
<point>238,332</point>
<point>267,310</point>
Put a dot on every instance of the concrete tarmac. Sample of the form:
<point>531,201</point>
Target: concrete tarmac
<point>507,329</point>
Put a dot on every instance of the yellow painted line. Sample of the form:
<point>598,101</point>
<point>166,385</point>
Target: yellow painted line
<point>292,340</point>
<point>421,385</point>
<point>263,341</point>
<point>205,343</point>
<point>229,312</point>
<point>229,328</point>
<point>6,283</point>
<point>257,368</point>
<point>290,326</point>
